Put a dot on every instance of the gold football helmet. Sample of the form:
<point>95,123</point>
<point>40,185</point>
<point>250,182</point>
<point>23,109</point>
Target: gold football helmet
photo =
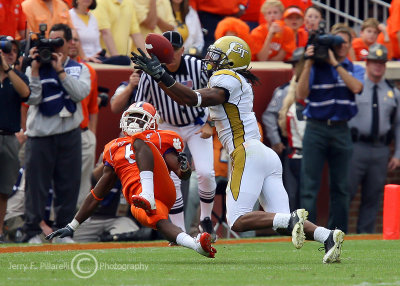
<point>228,52</point>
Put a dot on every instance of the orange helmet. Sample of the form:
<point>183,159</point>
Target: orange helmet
<point>140,116</point>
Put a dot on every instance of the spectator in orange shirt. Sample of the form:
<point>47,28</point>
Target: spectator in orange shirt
<point>371,32</point>
<point>393,24</point>
<point>49,12</point>
<point>302,4</point>
<point>12,19</point>
<point>273,41</point>
<point>294,19</point>
<point>312,17</point>
<point>231,26</point>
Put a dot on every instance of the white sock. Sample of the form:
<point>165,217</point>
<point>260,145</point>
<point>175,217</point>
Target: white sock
<point>178,220</point>
<point>321,234</point>
<point>146,179</point>
<point>186,240</point>
<point>206,209</point>
<point>281,220</point>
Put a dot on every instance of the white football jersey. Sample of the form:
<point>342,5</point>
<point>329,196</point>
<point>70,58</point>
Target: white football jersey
<point>234,120</point>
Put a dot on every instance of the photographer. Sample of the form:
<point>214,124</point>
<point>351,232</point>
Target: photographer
<point>14,89</point>
<point>330,87</point>
<point>53,150</point>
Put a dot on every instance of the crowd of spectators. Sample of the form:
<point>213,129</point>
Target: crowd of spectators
<point>55,104</point>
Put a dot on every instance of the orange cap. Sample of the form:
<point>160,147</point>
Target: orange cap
<point>293,10</point>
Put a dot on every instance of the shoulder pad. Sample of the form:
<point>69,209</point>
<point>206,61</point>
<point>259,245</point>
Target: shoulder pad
<point>228,72</point>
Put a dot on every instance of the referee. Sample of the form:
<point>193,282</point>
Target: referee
<point>190,123</point>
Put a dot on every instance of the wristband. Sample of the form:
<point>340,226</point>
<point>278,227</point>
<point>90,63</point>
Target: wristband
<point>166,79</point>
<point>338,65</point>
<point>96,197</point>
<point>60,72</point>
<point>74,224</point>
<point>8,70</point>
<point>199,99</point>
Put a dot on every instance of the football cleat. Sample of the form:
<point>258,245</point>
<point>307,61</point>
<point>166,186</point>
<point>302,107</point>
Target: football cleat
<point>296,226</point>
<point>144,202</point>
<point>206,226</point>
<point>203,245</point>
<point>333,246</point>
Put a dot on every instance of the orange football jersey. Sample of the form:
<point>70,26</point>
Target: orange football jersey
<point>119,155</point>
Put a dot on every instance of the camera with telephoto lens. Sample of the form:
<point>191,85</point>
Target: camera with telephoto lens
<point>46,46</point>
<point>322,42</point>
<point>5,45</point>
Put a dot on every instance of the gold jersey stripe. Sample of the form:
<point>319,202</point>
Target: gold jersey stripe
<point>236,124</point>
<point>228,72</point>
<point>238,163</point>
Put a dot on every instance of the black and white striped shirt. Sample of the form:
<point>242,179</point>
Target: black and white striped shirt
<point>189,73</point>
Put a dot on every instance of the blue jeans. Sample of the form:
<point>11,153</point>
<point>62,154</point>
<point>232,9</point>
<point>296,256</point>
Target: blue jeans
<point>333,144</point>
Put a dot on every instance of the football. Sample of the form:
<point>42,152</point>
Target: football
<point>159,46</point>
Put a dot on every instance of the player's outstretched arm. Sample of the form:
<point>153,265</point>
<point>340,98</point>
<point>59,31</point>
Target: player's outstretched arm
<point>102,188</point>
<point>178,92</point>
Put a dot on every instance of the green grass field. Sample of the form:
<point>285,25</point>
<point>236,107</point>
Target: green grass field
<point>370,262</point>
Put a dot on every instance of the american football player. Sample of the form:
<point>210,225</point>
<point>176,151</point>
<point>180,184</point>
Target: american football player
<point>142,160</point>
<point>256,169</point>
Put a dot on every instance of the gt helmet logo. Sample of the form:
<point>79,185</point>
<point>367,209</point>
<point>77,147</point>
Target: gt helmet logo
<point>236,48</point>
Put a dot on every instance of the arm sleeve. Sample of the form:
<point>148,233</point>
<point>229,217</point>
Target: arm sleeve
<point>170,140</point>
<point>134,22</point>
<point>101,15</point>
<point>119,90</point>
<point>141,11</point>
<point>108,156</point>
<point>36,88</point>
<point>359,72</point>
